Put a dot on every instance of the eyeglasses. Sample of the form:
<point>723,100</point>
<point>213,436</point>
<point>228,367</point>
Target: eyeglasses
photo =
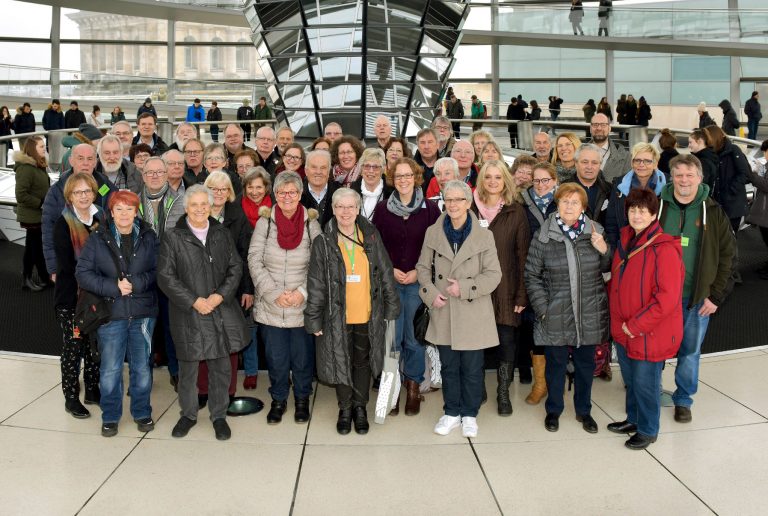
<point>292,157</point>
<point>174,163</point>
<point>154,173</point>
<point>220,190</point>
<point>345,208</point>
<point>454,201</point>
<point>82,193</point>
<point>371,166</point>
<point>646,162</point>
<point>406,177</point>
<point>193,152</point>
<point>544,181</point>
<point>291,193</point>
<point>600,124</point>
<point>570,203</point>
<point>215,158</point>
<point>346,152</point>
<point>443,127</point>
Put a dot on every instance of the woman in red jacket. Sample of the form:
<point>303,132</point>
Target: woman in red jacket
<point>645,296</point>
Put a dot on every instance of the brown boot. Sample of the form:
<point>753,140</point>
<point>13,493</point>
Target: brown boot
<point>413,399</point>
<point>396,409</point>
<point>539,389</point>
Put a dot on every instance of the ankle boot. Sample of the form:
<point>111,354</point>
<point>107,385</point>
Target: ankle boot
<point>539,389</point>
<point>504,376</point>
<point>92,395</point>
<point>413,399</point>
<point>74,407</point>
<point>28,284</point>
<point>396,409</point>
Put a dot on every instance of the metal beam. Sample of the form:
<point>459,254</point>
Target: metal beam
<point>707,48</point>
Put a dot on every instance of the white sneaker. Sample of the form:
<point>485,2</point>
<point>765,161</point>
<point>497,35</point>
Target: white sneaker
<point>447,423</point>
<point>469,426</point>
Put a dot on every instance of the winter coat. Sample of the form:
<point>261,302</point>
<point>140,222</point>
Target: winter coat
<point>616,217</point>
<point>515,112</point>
<point>326,307</point>
<point>758,212</point>
<point>705,120</point>
<point>644,115</point>
<point>477,110</point>
<point>465,323</point>
<point>54,204</point>
<point>32,185</point>
<point>261,113</point>
<point>171,208</point>
<point>128,178</point>
<point>159,147</point>
<point>455,111</point>
<point>717,243</point>
<point>187,270</point>
<point>275,270</point>
<point>6,125</point>
<point>195,114</point>
<point>73,118</point>
<point>730,120</point>
<point>645,292</point>
<point>535,114</point>
<point>601,199</point>
<point>618,162</point>
<point>664,159</point>
<point>631,113</point>
<point>605,109</point>
<point>240,230</point>
<point>96,272</point>
<point>621,111</point>
<point>146,109</point>
<point>24,123</point>
<point>710,165</point>
<point>245,113</point>
<point>535,217</point>
<point>114,118</point>
<point>512,236</point>
<point>589,111</point>
<point>214,115</point>
<point>323,208</point>
<point>65,290</point>
<point>565,287</point>
<point>53,119</point>
<point>752,109</point>
<point>732,176</point>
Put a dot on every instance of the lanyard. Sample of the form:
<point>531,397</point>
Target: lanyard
<point>351,255</point>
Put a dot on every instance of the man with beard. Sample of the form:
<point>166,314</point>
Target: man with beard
<point>123,175</point>
<point>542,147</point>
<point>123,132</point>
<point>445,139</point>
<point>615,158</point>
<point>146,124</point>
<point>184,133</point>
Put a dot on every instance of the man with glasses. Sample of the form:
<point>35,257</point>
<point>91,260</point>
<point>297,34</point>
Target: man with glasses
<point>614,158</point>
<point>445,139</point>
<point>318,189</point>
<point>464,154</point>
<point>333,131</point>
<point>194,171</point>
<point>382,128</point>
<point>146,124</point>
<point>123,175</point>
<point>588,177</point>
<point>265,149</point>
<point>122,130</point>
<point>284,139</point>
<point>174,166</point>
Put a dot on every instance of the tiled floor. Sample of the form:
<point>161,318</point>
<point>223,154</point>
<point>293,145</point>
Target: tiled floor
<point>52,464</point>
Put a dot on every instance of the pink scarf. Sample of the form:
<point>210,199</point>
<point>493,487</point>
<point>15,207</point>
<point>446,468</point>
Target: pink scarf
<point>487,212</point>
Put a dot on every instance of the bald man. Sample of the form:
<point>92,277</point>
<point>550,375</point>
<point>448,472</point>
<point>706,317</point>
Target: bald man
<point>382,128</point>
<point>333,131</point>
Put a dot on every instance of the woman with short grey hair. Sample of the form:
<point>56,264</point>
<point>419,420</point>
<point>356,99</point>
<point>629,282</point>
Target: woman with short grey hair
<point>215,157</point>
<point>189,192</point>
<point>371,184</point>
<point>445,169</point>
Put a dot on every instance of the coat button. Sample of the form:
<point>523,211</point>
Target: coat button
<point>439,276</point>
<point>474,287</point>
<point>439,255</point>
<point>424,289</point>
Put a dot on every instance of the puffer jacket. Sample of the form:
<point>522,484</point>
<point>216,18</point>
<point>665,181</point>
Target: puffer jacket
<point>565,287</point>
<point>326,308</point>
<point>187,270</point>
<point>32,184</point>
<point>710,165</point>
<point>758,212</point>
<point>96,272</point>
<point>732,176</point>
<point>646,292</point>
<point>275,270</point>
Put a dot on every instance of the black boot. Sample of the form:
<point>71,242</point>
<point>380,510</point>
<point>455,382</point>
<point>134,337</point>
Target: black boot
<point>344,423</point>
<point>301,410</point>
<point>28,284</point>
<point>74,407</point>
<point>276,412</point>
<point>361,420</point>
<point>92,396</point>
<point>504,375</point>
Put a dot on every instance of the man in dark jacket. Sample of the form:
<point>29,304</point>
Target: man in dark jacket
<point>146,125</point>
<point>554,106</point>
<point>318,188</point>
<point>730,120</point>
<point>147,107</point>
<point>214,115</point>
<point>515,111</point>
<point>588,176</point>
<point>615,158</point>
<point>245,112</point>
<point>53,118</point>
<point>261,112</point>
<point>455,110</point>
<point>754,114</point>
<point>708,245</point>
<point>24,122</point>
<point>74,117</point>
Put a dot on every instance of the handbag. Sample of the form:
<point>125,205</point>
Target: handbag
<point>421,317</point>
<point>389,387</point>
<point>92,310</point>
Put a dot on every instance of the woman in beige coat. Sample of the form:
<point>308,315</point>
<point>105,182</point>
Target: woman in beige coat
<point>278,259</point>
<point>458,291</point>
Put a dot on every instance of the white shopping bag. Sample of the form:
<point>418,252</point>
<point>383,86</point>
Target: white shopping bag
<point>389,388</point>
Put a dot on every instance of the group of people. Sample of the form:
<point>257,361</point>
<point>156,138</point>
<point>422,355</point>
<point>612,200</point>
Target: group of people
<point>576,17</point>
<point>316,251</point>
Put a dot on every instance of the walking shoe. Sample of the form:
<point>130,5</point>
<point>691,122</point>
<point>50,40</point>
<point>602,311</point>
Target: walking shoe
<point>301,410</point>
<point>74,407</point>
<point>447,423</point>
<point>145,424</point>
<point>276,412</point>
<point>639,441</point>
<point>92,396</point>
<point>469,426</point>
<point>221,428</point>
<point>249,383</point>
<point>622,427</point>
<point>360,418</point>
<point>109,429</point>
<point>587,423</point>
<point>344,423</point>
<point>683,414</point>
<point>552,422</point>
<point>183,426</point>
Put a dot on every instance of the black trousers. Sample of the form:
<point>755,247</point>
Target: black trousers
<point>73,350</point>
<point>508,337</point>
<point>33,252</point>
<point>356,395</point>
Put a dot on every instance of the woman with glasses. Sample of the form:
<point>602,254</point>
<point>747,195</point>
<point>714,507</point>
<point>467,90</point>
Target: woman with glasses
<point>215,157</point>
<point>644,174</point>
<point>396,148</point>
<point>244,160</point>
<point>445,170</point>
<point>564,281</point>
<point>345,154</point>
<point>402,221</point>
<point>293,160</point>
<point>564,156</point>
<point>371,184</point>
<point>278,259</point>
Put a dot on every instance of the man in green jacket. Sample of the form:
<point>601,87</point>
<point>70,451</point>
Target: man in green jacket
<point>709,246</point>
<point>477,113</point>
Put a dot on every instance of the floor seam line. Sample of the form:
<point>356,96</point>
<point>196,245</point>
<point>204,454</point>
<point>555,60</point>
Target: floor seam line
<point>733,399</point>
<point>303,451</point>
<point>681,482</point>
<point>30,403</point>
<point>485,476</point>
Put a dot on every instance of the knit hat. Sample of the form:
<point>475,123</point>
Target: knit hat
<point>148,99</point>
<point>90,132</point>
<point>702,107</point>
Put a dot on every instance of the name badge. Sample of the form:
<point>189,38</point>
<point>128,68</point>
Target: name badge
<point>484,223</point>
<point>353,278</point>
<point>684,241</point>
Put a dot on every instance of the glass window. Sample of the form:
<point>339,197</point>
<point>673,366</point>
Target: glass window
<point>216,53</point>
<point>241,61</point>
<point>691,93</point>
<point>76,24</point>
<point>190,54</point>
<point>119,59</point>
<point>754,67</point>
<point>32,21</point>
<point>701,68</point>
<point>522,62</point>
<point>28,55</point>
<point>639,66</point>
<point>472,62</point>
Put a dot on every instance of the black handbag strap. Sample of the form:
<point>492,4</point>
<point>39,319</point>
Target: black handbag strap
<point>433,266</point>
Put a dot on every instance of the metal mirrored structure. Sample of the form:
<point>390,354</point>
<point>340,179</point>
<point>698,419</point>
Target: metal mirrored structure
<point>350,61</point>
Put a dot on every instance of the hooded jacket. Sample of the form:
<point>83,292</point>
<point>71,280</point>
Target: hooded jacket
<point>705,120</point>
<point>53,119</point>
<point>326,306</point>
<point>730,183</point>
<point>645,292</point>
<point>24,123</point>
<point>710,165</point>
<point>616,217</point>
<point>32,184</point>
<point>730,120</point>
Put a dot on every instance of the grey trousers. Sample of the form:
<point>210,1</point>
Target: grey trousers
<point>219,371</point>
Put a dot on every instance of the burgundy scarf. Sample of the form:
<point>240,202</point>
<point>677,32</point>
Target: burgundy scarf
<point>289,230</point>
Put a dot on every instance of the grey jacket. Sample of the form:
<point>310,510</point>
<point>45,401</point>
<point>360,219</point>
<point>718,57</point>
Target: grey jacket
<point>566,288</point>
<point>619,162</point>
<point>758,212</point>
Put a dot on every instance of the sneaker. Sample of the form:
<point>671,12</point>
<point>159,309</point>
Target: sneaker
<point>109,429</point>
<point>145,424</point>
<point>469,427</point>
<point>447,423</point>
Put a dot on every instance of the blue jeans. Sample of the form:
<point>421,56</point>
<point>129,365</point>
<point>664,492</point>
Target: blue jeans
<point>289,350</point>
<point>251,354</point>
<point>412,350</point>
<point>643,396</point>
<point>554,372</point>
<point>115,338</point>
<point>462,373</point>
<point>687,370</point>
<point>752,125</point>
<point>170,347</point>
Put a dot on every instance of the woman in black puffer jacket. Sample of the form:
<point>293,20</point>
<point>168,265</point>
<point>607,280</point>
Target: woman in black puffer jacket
<point>732,176</point>
<point>566,290</point>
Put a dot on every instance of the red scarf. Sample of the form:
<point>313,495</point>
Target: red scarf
<point>289,230</point>
<point>251,209</point>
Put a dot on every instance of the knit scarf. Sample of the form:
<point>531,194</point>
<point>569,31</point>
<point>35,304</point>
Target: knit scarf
<point>542,203</point>
<point>289,230</point>
<point>78,232</point>
<point>456,237</point>
<point>573,231</point>
<point>487,212</point>
<point>396,206</point>
<point>346,177</point>
<point>251,209</point>
<point>149,208</point>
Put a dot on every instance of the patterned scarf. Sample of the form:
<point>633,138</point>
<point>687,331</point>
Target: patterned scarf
<point>574,231</point>
<point>78,232</point>
<point>149,208</point>
<point>542,203</point>
<point>346,177</point>
<point>290,231</point>
<point>396,206</point>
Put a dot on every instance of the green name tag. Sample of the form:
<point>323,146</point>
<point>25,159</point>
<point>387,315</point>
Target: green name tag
<point>104,190</point>
<point>684,241</point>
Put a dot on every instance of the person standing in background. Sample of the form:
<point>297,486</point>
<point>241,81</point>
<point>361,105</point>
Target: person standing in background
<point>214,115</point>
<point>478,112</point>
<point>604,16</point>
<point>262,112</point>
<point>245,112</point>
<point>754,114</point>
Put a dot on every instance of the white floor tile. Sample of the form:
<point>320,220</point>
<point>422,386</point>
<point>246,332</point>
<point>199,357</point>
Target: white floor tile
<point>22,382</point>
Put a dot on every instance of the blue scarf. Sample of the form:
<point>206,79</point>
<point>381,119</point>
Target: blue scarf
<point>456,237</point>
<point>543,202</point>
